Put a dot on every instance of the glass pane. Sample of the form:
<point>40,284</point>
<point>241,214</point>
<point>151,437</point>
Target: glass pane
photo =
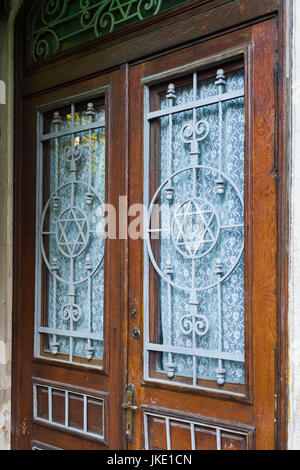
<point>70,293</point>
<point>196,231</point>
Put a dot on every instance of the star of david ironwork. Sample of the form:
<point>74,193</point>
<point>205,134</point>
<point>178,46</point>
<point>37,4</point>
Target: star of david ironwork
<point>72,232</point>
<point>194,229</point>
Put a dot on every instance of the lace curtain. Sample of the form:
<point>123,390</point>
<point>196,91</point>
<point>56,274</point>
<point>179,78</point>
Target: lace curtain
<point>227,209</point>
<point>77,232</point>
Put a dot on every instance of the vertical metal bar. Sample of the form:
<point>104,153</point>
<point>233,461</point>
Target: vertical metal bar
<point>56,121</point>
<point>54,343</point>
<point>90,114</point>
<point>50,404</point>
<point>193,436</point>
<point>170,190</point>
<point>195,85</point>
<point>73,164</point>
<point>220,323</point>
<point>89,307</point>
<point>220,83</point>
<point>168,434</point>
<point>54,307</point>
<point>193,311</point>
<point>194,144</point>
<point>146,204</point>
<point>171,365</point>
<point>66,408</point>
<point>170,317</point>
<point>221,371</point>
<point>71,342</point>
<point>170,97</point>
<point>194,357</point>
<point>195,161</point>
<point>90,157</point>
<point>219,439</point>
<point>146,431</point>
<point>71,287</point>
<point>56,163</point>
<point>73,116</point>
<point>220,127</point>
<point>88,265</point>
<point>170,136</point>
<point>35,402</point>
<point>72,299</point>
<point>85,417</point>
<point>39,199</point>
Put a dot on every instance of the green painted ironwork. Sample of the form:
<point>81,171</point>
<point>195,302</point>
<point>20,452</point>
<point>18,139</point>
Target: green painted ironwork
<point>59,25</point>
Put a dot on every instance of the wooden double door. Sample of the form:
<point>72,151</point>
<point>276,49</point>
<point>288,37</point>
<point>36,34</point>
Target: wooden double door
<point>146,254</point>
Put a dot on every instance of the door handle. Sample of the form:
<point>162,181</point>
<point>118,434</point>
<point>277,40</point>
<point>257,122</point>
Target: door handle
<point>127,406</point>
<point>130,408</point>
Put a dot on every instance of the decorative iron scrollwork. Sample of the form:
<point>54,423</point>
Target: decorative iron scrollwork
<point>204,208</point>
<point>71,246</point>
<point>59,25</point>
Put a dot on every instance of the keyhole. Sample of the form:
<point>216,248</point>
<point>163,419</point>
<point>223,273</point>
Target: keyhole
<point>136,332</point>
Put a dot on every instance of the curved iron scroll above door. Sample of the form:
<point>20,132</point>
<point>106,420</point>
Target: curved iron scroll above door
<point>59,25</point>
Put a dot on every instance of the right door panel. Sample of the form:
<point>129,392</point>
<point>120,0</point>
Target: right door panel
<point>203,281</point>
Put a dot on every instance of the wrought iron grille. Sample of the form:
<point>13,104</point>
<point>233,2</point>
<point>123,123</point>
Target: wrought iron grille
<point>70,242</point>
<point>59,25</point>
<point>194,244</point>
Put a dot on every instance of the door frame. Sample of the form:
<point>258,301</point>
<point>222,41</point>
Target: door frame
<point>130,47</point>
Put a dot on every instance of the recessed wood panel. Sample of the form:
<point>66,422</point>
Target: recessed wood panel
<point>233,442</point>
<point>205,438</point>
<point>76,411</point>
<point>37,445</point>
<point>58,406</point>
<point>157,433</point>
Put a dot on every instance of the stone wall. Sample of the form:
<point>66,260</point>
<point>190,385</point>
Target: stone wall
<point>6,230</point>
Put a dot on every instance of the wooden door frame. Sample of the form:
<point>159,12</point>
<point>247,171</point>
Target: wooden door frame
<point>203,19</point>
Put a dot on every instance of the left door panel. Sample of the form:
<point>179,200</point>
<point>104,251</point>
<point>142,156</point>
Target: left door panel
<point>68,170</point>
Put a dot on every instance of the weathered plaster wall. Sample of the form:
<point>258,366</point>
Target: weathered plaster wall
<point>6,178</point>
<point>294,310</point>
